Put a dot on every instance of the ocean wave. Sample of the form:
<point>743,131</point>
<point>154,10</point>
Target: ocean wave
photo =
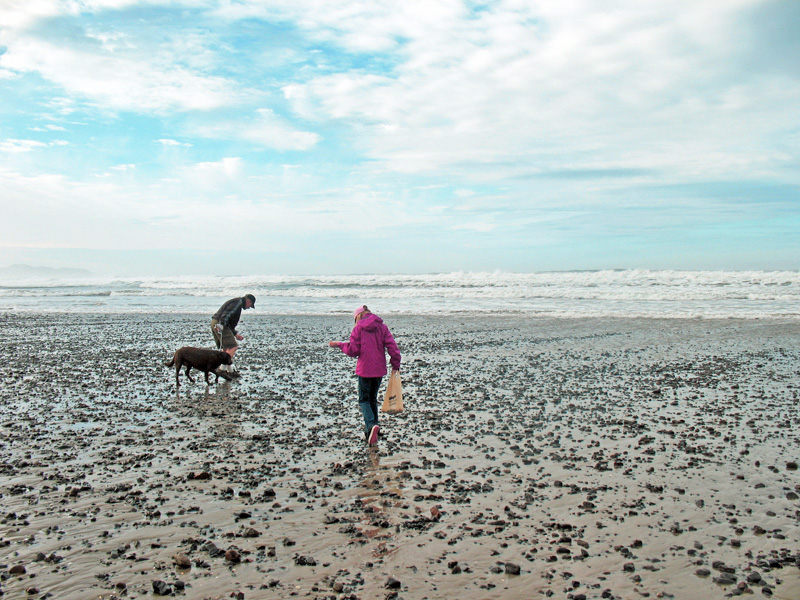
<point>642,293</point>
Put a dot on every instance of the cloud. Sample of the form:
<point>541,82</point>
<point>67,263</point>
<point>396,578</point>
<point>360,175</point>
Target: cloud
<point>117,82</point>
<point>194,209</point>
<point>13,146</point>
<point>227,167</point>
<point>265,130</point>
<point>18,14</point>
<point>655,87</point>
<point>168,142</point>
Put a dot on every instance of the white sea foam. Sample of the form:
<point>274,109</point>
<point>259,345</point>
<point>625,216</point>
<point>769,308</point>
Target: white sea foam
<point>624,293</point>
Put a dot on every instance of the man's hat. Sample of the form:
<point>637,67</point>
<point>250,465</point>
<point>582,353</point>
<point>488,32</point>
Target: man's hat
<point>252,299</point>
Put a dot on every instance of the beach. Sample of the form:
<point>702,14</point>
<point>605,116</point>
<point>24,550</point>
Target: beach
<point>537,457</point>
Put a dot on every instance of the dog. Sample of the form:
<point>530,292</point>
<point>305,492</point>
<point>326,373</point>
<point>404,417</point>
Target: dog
<point>202,359</point>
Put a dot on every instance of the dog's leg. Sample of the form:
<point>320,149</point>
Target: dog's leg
<point>207,381</point>
<point>188,376</point>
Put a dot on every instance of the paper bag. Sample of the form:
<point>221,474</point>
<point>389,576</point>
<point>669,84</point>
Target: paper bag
<point>393,399</point>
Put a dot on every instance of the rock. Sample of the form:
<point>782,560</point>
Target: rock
<point>17,570</point>
<point>182,561</point>
<point>212,549</point>
<point>512,569</point>
<point>725,579</point>
<point>721,566</point>
<point>702,572</point>
<point>753,577</point>
<point>392,584</point>
<point>161,588</point>
<point>233,556</point>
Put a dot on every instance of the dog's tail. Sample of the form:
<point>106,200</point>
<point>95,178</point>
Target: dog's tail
<point>170,363</point>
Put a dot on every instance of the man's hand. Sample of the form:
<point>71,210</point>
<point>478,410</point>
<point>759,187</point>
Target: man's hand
<point>239,337</point>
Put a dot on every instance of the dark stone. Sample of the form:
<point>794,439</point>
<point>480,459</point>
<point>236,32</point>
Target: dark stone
<point>233,556</point>
<point>161,588</point>
<point>725,579</point>
<point>212,549</point>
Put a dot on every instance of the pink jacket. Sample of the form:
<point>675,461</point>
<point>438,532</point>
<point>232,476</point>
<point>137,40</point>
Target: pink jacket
<point>369,339</point>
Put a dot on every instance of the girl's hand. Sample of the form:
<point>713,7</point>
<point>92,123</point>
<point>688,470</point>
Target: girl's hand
<point>334,344</point>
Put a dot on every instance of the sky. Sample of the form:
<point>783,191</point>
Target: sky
<point>245,137</point>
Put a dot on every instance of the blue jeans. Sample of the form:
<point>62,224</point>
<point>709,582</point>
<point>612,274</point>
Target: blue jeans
<point>368,400</point>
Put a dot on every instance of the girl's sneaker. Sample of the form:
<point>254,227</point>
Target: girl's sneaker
<point>373,435</point>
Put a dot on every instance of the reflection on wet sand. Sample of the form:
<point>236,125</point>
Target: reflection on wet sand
<point>379,497</point>
<point>219,409</point>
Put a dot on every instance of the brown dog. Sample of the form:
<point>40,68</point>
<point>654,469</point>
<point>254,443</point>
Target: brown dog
<point>202,359</point>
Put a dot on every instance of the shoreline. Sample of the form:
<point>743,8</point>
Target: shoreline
<point>609,458</point>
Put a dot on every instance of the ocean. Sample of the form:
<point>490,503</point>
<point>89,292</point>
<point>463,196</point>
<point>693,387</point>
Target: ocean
<point>576,294</point>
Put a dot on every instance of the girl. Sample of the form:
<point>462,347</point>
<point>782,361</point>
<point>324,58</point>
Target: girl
<point>369,341</point>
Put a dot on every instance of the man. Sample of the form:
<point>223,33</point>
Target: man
<point>223,327</point>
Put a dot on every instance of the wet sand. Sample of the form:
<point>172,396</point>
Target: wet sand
<point>566,458</point>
